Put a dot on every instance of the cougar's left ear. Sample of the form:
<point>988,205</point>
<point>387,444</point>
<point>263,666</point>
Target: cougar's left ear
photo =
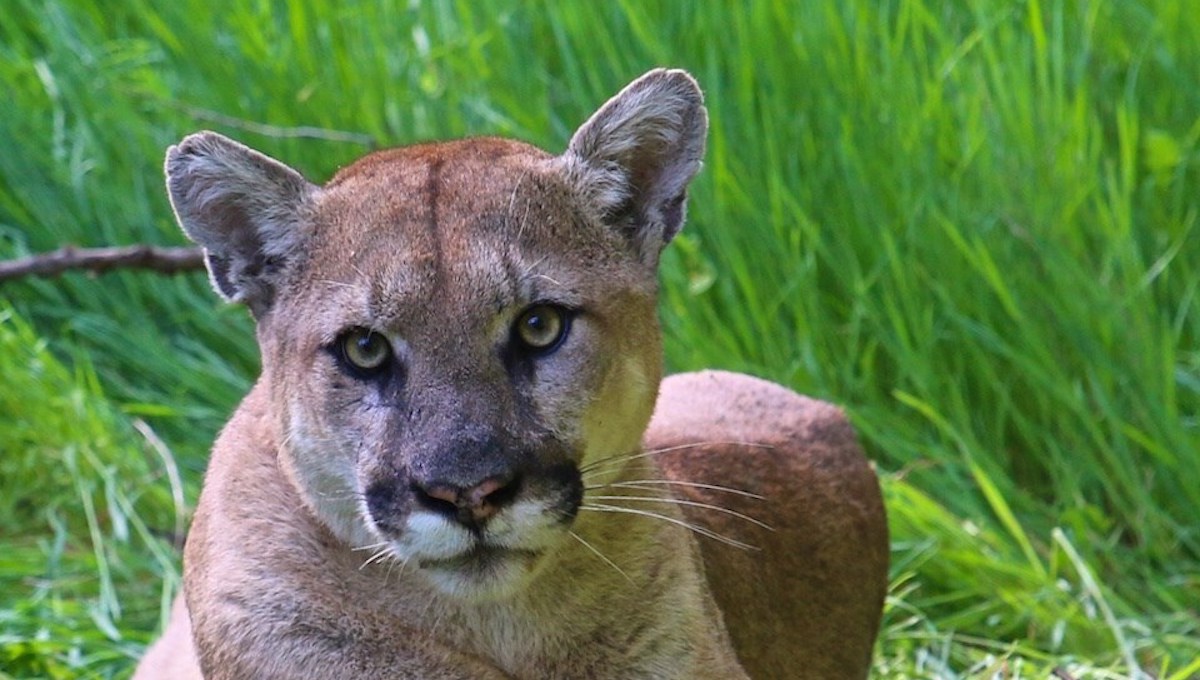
<point>244,208</point>
<point>633,159</point>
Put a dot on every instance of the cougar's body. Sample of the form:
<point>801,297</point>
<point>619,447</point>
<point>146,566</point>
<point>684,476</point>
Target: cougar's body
<point>448,468</point>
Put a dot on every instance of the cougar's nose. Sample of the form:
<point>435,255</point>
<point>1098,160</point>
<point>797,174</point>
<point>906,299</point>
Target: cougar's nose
<point>471,506</point>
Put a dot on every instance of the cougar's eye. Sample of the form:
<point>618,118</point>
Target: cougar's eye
<point>542,328</point>
<point>365,350</point>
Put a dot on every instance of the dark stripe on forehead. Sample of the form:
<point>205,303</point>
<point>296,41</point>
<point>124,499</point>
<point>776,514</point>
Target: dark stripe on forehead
<point>433,190</point>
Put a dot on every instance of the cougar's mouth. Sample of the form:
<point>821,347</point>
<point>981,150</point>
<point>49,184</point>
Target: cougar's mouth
<point>483,572</point>
<point>480,558</point>
<point>485,561</point>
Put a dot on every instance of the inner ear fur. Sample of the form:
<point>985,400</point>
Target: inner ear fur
<point>633,159</point>
<point>244,208</point>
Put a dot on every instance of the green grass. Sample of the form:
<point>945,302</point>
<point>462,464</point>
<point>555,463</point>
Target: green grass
<point>88,509</point>
<point>972,223</point>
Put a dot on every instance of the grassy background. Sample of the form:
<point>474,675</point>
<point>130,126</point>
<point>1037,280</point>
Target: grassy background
<point>972,223</point>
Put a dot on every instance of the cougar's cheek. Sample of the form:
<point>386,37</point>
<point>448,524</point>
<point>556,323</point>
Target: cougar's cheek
<point>321,466</point>
<point>615,419</point>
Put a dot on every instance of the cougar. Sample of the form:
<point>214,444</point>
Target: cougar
<point>453,464</point>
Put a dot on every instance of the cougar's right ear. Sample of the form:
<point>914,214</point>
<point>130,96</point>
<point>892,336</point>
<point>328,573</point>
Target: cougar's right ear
<point>244,209</point>
<point>633,159</point>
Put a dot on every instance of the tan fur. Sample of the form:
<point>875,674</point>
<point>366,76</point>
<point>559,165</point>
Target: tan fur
<point>350,525</point>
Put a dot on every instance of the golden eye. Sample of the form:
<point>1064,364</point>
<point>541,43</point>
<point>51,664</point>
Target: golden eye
<point>542,327</point>
<point>365,350</point>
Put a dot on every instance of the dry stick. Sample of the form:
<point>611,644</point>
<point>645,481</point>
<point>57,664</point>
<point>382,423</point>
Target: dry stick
<point>161,260</point>
<point>100,260</point>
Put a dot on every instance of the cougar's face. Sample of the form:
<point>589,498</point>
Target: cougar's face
<point>460,339</point>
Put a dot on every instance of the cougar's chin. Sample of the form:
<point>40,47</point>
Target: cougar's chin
<point>484,573</point>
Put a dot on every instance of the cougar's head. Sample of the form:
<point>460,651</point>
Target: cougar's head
<point>449,331</point>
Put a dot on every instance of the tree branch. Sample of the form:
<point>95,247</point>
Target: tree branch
<point>100,260</point>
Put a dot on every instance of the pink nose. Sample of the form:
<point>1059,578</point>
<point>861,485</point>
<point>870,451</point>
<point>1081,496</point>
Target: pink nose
<point>474,505</point>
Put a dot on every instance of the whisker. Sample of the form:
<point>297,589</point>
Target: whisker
<point>642,453</point>
<point>391,565</point>
<point>626,457</point>
<point>691,527</point>
<point>403,565</point>
<point>644,485</point>
<point>599,554</point>
<point>512,199</point>
<point>373,546</point>
<point>382,554</point>
<point>616,457</point>
<point>693,504</point>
